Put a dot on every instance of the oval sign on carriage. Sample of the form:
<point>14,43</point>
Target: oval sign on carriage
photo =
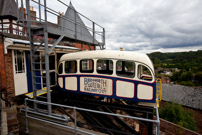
<point>95,85</point>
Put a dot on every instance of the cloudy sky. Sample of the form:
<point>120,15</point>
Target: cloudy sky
<point>145,25</point>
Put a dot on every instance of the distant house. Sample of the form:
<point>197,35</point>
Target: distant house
<point>167,72</point>
<point>175,69</point>
<point>165,80</point>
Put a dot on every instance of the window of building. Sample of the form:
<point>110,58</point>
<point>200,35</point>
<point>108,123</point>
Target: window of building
<point>104,66</point>
<point>19,61</point>
<point>144,73</point>
<point>60,68</point>
<point>86,66</point>
<point>125,69</point>
<point>71,66</point>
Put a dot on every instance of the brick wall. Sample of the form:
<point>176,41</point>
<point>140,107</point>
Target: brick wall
<point>172,129</point>
<point>6,71</point>
<point>2,66</point>
<point>82,47</point>
<point>9,75</point>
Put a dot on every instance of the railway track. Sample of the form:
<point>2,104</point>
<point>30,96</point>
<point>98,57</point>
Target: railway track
<point>109,124</point>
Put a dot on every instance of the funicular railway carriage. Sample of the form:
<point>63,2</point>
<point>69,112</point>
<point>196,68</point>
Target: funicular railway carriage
<point>112,74</point>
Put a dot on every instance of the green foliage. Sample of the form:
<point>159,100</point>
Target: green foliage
<point>198,77</point>
<point>188,63</point>
<point>175,113</point>
<point>190,83</point>
<point>180,60</point>
<point>175,76</point>
<point>183,76</point>
<point>183,83</point>
<point>195,69</point>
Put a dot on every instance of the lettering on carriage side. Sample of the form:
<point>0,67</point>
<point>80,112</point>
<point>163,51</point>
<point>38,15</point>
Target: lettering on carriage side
<point>96,85</point>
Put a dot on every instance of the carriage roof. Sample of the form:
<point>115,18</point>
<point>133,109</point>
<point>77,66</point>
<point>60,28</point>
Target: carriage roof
<point>109,54</point>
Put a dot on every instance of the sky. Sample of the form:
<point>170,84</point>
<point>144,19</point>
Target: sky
<point>144,25</point>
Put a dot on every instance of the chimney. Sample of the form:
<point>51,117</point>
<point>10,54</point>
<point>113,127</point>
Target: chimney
<point>121,49</point>
<point>24,10</point>
<point>60,14</point>
<point>33,15</point>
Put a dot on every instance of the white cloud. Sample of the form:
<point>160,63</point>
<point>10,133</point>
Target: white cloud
<point>174,25</point>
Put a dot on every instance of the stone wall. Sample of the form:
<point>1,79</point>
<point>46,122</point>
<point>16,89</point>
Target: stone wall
<point>187,96</point>
<point>170,128</point>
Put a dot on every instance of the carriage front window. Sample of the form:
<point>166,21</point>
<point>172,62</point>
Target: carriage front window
<point>86,66</point>
<point>105,66</point>
<point>125,68</point>
<point>71,66</point>
<point>144,73</point>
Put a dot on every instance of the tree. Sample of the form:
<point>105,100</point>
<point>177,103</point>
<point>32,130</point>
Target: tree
<point>175,113</point>
<point>183,83</point>
<point>183,76</point>
<point>189,75</point>
<point>175,76</point>
<point>198,77</point>
<point>190,83</point>
<point>195,69</point>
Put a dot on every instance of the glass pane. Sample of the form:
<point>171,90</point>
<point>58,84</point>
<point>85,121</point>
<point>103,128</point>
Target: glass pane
<point>52,79</point>
<point>104,66</point>
<point>52,62</point>
<point>19,61</point>
<point>86,66</point>
<point>144,73</point>
<point>60,69</point>
<point>70,66</point>
<point>119,65</point>
<point>125,69</point>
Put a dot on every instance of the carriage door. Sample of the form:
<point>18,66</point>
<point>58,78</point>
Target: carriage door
<point>20,74</point>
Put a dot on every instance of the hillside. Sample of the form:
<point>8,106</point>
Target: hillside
<point>184,68</point>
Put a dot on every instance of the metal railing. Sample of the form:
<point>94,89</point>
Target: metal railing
<point>158,91</point>
<point>157,121</point>
<point>96,32</point>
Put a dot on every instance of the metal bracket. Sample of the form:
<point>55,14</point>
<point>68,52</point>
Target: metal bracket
<point>38,47</point>
<point>59,39</point>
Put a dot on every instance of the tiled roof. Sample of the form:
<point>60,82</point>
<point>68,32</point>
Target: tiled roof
<point>8,7</point>
<point>82,32</point>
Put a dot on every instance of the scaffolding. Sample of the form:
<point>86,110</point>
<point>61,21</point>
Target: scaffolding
<point>71,29</point>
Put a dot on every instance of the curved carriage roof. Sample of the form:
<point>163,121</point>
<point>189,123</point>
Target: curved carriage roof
<point>109,54</point>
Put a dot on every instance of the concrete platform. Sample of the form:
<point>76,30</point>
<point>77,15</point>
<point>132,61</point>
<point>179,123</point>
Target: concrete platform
<point>41,128</point>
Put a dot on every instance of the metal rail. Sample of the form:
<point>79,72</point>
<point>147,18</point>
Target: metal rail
<point>95,37</point>
<point>43,27</point>
<point>157,121</point>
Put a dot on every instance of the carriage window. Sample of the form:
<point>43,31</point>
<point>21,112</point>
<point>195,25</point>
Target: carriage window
<point>104,66</point>
<point>144,73</point>
<point>71,66</point>
<point>125,68</point>
<point>60,69</point>
<point>86,66</point>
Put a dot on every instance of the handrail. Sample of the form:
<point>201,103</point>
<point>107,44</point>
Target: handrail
<point>158,91</point>
<point>99,31</point>
<point>157,121</point>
